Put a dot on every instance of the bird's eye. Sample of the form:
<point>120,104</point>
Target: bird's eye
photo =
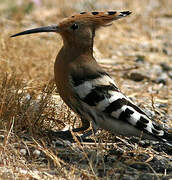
<point>74,26</point>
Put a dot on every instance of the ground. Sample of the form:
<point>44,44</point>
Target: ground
<point>135,51</point>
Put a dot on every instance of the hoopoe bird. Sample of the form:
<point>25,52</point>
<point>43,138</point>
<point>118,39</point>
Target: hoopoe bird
<point>87,89</point>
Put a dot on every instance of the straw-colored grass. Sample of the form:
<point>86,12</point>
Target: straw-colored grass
<point>31,110</point>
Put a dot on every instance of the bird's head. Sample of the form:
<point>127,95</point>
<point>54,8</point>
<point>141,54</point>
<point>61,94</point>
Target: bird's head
<point>79,27</point>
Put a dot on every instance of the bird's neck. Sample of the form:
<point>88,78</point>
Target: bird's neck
<point>77,50</point>
<point>76,46</point>
<point>70,53</point>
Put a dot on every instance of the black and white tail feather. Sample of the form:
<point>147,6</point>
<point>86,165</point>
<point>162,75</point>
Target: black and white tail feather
<point>109,109</point>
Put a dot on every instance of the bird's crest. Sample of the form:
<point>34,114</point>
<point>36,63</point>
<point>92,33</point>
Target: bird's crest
<point>96,18</point>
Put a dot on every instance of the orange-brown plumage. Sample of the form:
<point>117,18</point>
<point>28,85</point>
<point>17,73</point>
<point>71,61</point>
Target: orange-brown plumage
<point>86,88</point>
<point>96,18</point>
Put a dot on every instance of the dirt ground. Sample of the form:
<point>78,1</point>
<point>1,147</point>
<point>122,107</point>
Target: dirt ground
<point>135,51</point>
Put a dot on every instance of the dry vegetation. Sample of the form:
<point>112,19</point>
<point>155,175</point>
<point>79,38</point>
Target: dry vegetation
<point>136,51</point>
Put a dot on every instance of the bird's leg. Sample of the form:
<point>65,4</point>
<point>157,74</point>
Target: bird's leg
<point>89,133</point>
<point>85,126</point>
<point>92,131</point>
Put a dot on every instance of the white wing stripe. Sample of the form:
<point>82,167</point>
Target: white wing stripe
<point>85,88</point>
<point>107,101</point>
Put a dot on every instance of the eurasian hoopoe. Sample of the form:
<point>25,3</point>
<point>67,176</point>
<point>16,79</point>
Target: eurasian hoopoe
<point>86,88</point>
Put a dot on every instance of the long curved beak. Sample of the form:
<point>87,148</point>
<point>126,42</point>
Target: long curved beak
<point>52,28</point>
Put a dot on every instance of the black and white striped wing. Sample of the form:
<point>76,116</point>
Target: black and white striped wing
<point>100,92</point>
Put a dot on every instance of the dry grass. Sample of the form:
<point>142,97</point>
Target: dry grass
<point>30,107</point>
